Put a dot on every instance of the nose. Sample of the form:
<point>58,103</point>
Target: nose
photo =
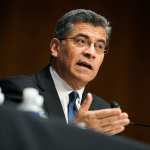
<point>90,52</point>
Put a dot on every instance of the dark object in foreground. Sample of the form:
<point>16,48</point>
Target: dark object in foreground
<point>22,130</point>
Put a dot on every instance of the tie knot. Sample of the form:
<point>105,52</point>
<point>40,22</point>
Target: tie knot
<point>73,96</point>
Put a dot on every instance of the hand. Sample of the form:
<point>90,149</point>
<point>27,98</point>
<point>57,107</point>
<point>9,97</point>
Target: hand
<point>109,121</point>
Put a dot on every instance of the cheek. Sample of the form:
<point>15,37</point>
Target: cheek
<point>66,52</point>
<point>99,62</point>
<point>67,58</point>
<point>70,55</point>
<point>63,55</point>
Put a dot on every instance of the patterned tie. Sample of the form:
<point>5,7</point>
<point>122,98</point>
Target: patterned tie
<point>72,108</point>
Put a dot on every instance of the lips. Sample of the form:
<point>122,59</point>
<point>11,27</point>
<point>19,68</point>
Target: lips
<point>85,64</point>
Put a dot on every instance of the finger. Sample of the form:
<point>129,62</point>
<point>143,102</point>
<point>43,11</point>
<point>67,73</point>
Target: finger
<point>87,102</point>
<point>123,122</point>
<point>109,121</point>
<point>124,115</point>
<point>115,131</point>
<point>117,120</point>
<point>114,128</point>
<point>105,113</point>
<point>109,130</point>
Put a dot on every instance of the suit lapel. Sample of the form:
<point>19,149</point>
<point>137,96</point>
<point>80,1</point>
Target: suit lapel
<point>47,88</point>
<point>98,102</point>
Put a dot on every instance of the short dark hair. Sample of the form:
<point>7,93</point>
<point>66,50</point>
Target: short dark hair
<point>65,23</point>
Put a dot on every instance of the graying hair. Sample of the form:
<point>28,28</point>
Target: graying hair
<point>65,23</point>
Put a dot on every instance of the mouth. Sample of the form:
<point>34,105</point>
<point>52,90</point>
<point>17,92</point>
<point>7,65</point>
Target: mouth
<point>85,65</point>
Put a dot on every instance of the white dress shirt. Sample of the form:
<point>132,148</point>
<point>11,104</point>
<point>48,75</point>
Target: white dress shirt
<point>63,90</point>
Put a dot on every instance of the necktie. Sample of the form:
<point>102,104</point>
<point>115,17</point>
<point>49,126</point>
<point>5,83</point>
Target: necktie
<point>72,108</point>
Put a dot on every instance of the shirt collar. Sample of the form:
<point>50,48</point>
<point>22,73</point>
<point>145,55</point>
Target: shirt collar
<point>62,86</point>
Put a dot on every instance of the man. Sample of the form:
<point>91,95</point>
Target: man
<point>77,52</point>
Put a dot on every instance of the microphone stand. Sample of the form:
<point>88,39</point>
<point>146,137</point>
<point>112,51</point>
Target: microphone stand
<point>115,104</point>
<point>140,124</point>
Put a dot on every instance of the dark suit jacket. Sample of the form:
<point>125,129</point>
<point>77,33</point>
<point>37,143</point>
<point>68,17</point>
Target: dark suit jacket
<point>12,87</point>
<point>23,131</point>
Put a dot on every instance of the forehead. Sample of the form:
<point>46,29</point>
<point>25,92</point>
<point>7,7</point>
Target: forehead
<point>95,32</point>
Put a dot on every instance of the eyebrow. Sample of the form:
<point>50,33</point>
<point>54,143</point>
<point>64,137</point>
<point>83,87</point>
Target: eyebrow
<point>86,36</point>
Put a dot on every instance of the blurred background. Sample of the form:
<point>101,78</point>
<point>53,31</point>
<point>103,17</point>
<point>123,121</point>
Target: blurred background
<point>26,28</point>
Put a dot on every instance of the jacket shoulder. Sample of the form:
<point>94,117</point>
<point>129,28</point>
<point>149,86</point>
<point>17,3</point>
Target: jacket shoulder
<point>20,81</point>
<point>13,86</point>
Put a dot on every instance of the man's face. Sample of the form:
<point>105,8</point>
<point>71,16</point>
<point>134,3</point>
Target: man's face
<point>76,62</point>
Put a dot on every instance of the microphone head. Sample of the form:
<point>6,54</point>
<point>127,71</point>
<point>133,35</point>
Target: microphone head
<point>114,104</point>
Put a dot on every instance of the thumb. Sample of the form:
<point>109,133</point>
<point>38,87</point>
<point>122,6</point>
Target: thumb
<point>87,102</point>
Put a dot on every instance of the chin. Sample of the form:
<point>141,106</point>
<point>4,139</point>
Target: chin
<point>84,78</point>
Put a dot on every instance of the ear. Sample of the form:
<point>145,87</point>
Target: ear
<point>54,47</point>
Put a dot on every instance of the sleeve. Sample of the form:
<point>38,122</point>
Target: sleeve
<point>12,92</point>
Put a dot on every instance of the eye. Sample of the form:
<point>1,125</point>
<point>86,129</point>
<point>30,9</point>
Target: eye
<point>81,41</point>
<point>100,46</point>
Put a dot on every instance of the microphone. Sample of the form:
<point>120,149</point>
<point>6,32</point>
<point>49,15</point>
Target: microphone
<point>115,104</point>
